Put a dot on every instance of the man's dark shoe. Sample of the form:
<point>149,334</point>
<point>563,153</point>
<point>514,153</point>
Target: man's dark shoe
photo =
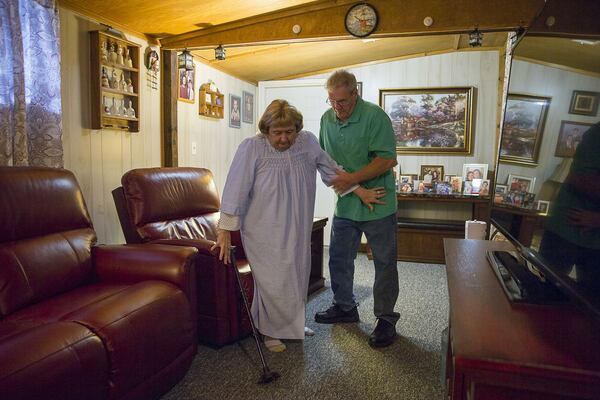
<point>335,314</point>
<point>383,335</point>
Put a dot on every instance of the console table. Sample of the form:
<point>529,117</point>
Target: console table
<point>316,280</point>
<point>501,351</point>
<point>421,239</point>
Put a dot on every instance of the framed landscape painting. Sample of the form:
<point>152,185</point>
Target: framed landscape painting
<point>430,120</point>
<point>523,129</point>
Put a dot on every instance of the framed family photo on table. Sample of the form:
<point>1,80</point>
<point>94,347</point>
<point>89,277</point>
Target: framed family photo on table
<point>430,120</point>
<point>523,128</point>
<point>474,171</point>
<point>517,183</point>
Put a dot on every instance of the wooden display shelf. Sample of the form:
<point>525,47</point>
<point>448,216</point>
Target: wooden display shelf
<point>102,68</point>
<point>213,108</point>
<point>117,91</point>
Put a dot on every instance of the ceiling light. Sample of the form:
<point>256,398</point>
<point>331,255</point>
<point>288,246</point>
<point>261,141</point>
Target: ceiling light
<point>220,53</point>
<point>475,38</point>
<point>185,60</point>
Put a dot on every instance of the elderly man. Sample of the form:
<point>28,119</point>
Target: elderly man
<point>359,136</point>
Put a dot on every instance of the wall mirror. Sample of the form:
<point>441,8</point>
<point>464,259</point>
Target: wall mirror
<point>553,94</point>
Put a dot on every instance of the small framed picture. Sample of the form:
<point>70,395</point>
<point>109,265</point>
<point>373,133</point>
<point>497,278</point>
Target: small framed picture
<point>406,187</point>
<point>248,110</point>
<point>543,206</point>
<point>484,188</point>
<point>474,171</point>
<point>234,111</point>
<point>448,178</point>
<point>432,173</point>
<point>517,183</point>
<point>569,137</point>
<point>584,103</point>
<point>456,184</point>
<point>443,188</point>
<point>468,188</point>
<point>186,85</point>
<point>500,189</point>
<point>359,88</point>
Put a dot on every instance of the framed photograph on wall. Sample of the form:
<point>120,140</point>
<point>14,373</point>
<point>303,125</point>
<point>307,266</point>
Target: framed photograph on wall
<point>569,137</point>
<point>234,111</point>
<point>474,171</point>
<point>517,183</point>
<point>430,120</point>
<point>523,129</point>
<point>248,110</point>
<point>584,103</point>
<point>187,85</point>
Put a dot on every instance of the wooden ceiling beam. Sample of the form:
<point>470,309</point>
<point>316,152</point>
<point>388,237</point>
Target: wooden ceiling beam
<point>324,20</point>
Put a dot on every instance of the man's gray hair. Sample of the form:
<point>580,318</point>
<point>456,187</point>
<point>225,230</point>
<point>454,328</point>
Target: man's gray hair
<point>341,78</point>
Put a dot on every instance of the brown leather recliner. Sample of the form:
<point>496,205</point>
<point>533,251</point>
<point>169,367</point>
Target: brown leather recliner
<point>79,321</point>
<point>180,206</point>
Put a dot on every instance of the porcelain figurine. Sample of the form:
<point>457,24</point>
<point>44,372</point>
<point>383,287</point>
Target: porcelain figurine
<point>129,85</point>
<point>103,51</point>
<point>105,82</point>
<point>106,108</point>
<point>114,80</point>
<point>113,108</point>
<point>120,60</point>
<point>128,60</point>
<point>112,55</point>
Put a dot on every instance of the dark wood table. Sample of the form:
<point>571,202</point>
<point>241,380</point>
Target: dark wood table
<point>316,280</point>
<point>501,351</point>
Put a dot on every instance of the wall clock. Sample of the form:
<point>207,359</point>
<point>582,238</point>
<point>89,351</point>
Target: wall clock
<point>361,20</point>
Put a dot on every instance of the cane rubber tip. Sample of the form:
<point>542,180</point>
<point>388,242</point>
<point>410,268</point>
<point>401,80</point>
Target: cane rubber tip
<point>269,377</point>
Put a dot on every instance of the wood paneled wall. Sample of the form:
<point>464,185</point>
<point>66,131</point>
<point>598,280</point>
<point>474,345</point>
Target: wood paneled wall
<point>215,141</point>
<point>100,157</point>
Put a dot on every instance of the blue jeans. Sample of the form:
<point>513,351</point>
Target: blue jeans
<point>345,239</point>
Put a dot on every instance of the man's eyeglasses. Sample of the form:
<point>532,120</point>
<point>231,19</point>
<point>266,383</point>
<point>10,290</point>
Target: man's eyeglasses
<point>340,103</point>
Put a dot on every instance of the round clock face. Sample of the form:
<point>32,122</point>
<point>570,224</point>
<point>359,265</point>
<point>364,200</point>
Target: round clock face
<point>361,20</point>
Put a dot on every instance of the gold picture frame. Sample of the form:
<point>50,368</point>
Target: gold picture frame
<point>431,120</point>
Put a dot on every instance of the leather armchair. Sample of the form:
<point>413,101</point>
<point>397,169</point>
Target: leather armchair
<point>84,321</point>
<point>180,207</point>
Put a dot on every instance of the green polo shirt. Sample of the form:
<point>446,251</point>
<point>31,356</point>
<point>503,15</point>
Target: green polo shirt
<point>353,144</point>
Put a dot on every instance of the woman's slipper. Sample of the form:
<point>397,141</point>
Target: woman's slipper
<point>308,331</point>
<point>274,345</point>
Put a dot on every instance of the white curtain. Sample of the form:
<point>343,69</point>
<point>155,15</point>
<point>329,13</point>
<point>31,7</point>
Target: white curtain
<point>30,103</point>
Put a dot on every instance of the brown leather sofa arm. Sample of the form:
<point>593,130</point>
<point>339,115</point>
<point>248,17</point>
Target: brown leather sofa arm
<point>202,245</point>
<point>140,262</point>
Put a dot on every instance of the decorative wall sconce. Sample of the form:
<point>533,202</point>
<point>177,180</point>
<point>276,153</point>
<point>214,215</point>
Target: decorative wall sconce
<point>475,38</point>
<point>220,53</point>
<point>185,60</point>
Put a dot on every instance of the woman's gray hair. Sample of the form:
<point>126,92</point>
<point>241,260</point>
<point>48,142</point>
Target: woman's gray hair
<point>279,114</point>
<point>341,78</point>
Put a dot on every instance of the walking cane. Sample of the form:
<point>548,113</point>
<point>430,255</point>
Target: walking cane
<point>268,376</point>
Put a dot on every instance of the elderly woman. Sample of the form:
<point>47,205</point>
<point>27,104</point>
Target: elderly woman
<point>269,196</point>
